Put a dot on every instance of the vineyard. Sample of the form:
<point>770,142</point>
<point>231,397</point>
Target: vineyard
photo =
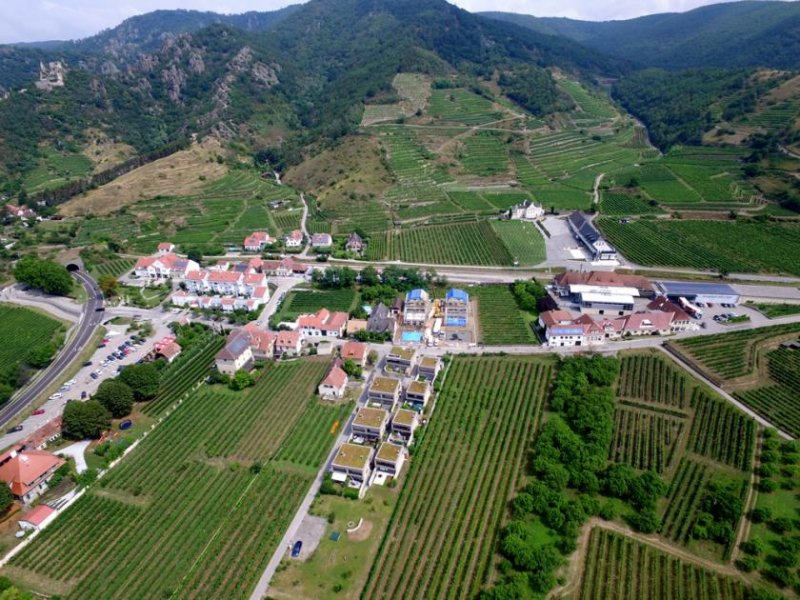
<point>523,240</point>
<point>622,568</point>
<point>500,320</point>
<point>484,154</point>
<point>620,203</point>
<point>23,331</point>
<point>462,106</point>
<point>653,378</point>
<point>778,400</point>
<point>735,246</point>
<point>310,301</point>
<point>722,432</point>
<point>198,508</point>
<point>442,535</point>
<point>684,496</point>
<point>645,439</point>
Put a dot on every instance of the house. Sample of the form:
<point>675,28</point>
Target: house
<point>321,240</point>
<point>381,321</point>
<point>236,354</point>
<point>335,382</point>
<point>418,393</point>
<point>526,211</point>
<point>404,423</point>
<point>355,351</point>
<point>165,266</point>
<point>681,321</point>
<point>257,241</point>
<point>417,307</point>
<point>563,283</point>
<point>262,342</point>
<point>169,352</point>
<point>429,367</point>
<point>323,323</point>
<point>286,267</point>
<point>401,359</point>
<point>294,239</point>
<point>23,213</point>
<point>288,343</point>
<point>456,308</point>
<point>47,433</point>
<point>38,518</point>
<point>560,331</point>
<point>165,248</point>
<point>390,459</point>
<point>648,323</point>
<point>354,243</point>
<point>384,391</point>
<point>587,234</point>
<point>27,472</point>
<point>553,318</point>
<point>352,461</point>
<point>370,423</point>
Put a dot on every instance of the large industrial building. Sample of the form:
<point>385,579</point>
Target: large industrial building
<point>699,292</point>
<point>586,233</point>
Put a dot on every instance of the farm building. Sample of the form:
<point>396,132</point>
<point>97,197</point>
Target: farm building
<point>335,382</point>
<point>526,211</point>
<point>588,235</point>
<point>370,423</point>
<point>605,303</point>
<point>165,248</point>
<point>567,283</point>
<point>352,462</point>
<point>404,423</point>
<point>401,359</point>
<point>27,472</point>
<point>384,391</point>
<point>429,367</point>
<point>417,307</point>
<point>382,321</point>
<point>390,459</point>
<point>289,343</point>
<point>681,321</point>
<point>456,308</point>
<point>699,291</point>
<point>38,518</point>
<point>418,393</point>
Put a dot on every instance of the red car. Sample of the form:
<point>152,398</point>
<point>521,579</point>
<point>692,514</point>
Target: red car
<point>38,411</point>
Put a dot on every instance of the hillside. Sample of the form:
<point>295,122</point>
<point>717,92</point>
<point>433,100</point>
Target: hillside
<point>735,34</point>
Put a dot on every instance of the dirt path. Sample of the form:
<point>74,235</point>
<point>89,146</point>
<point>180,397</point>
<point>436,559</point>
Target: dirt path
<point>578,558</point>
<point>749,504</point>
<point>596,190</point>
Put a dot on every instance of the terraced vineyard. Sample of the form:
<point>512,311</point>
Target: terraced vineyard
<point>741,246</point>
<point>721,432</point>
<point>485,154</point>
<point>441,538</point>
<point>134,536</point>
<point>620,203</point>
<point>777,400</point>
<point>500,320</point>
<point>621,568</point>
<point>462,106</point>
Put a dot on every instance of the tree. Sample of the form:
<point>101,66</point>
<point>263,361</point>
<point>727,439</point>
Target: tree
<point>372,357</point>
<point>108,285</point>
<point>241,380</point>
<point>116,396</point>
<point>6,498</point>
<point>369,276</point>
<point>352,368</point>
<point>143,379</point>
<point>46,275</point>
<point>85,419</point>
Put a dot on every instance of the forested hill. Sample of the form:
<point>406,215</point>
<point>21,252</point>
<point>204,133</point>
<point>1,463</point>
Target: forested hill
<point>735,34</point>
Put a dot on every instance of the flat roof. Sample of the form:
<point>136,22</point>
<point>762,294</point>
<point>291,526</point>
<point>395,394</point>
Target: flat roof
<point>389,452</point>
<point>607,298</point>
<point>582,288</point>
<point>352,456</point>
<point>404,353</point>
<point>692,288</point>
<point>405,417</point>
<point>371,417</point>
<point>418,387</point>
<point>428,361</point>
<point>385,384</point>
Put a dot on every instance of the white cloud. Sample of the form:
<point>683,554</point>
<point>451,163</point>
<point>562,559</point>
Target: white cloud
<point>36,20</point>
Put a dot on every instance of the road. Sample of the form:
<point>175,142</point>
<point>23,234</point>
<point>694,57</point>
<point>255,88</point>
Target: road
<point>78,338</point>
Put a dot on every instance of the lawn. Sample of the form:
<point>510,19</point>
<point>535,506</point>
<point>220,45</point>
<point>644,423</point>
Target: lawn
<point>500,320</point>
<point>55,169</point>
<point>132,535</point>
<point>523,240</point>
<point>299,302</point>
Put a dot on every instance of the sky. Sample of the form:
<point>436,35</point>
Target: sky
<point>39,20</point>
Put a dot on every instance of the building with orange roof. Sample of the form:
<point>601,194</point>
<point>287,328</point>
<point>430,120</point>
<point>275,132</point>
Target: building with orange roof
<point>323,323</point>
<point>294,239</point>
<point>257,241</point>
<point>166,248</point>
<point>355,351</point>
<point>27,472</point>
<point>335,382</point>
<point>38,518</point>
<point>288,343</point>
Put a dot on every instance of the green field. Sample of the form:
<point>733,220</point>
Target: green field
<point>733,246</point>
<point>523,240</point>
<point>442,536</point>
<point>775,311</point>
<point>55,169</point>
<point>484,154</point>
<point>501,322</point>
<point>300,302</point>
<point>199,507</point>
<point>461,106</point>
<point>622,204</point>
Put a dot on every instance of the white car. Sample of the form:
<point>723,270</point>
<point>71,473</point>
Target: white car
<point>56,396</point>
<point>70,382</point>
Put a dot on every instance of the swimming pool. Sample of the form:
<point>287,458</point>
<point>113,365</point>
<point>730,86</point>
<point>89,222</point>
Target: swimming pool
<point>411,336</point>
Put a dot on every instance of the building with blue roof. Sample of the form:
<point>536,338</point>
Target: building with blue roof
<point>417,307</point>
<point>699,291</point>
<point>456,308</point>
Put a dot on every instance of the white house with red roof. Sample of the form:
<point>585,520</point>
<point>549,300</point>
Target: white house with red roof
<point>286,267</point>
<point>257,241</point>
<point>294,239</point>
<point>165,248</point>
<point>23,213</point>
<point>355,351</point>
<point>166,266</point>
<point>560,330</point>
<point>334,384</point>
<point>27,472</point>
<point>288,343</point>
<point>38,518</point>
<point>322,324</point>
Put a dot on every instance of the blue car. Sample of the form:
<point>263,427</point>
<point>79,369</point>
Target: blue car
<point>296,548</point>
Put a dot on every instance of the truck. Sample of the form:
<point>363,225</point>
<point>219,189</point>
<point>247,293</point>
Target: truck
<point>690,308</point>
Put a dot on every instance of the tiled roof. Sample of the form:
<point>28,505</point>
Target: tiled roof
<point>354,350</point>
<point>336,377</point>
<point>38,515</point>
<point>287,339</point>
<point>23,471</point>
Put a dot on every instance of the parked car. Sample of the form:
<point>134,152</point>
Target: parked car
<point>56,396</point>
<point>38,411</point>
<point>298,545</point>
<point>88,363</point>
<point>126,424</point>
<point>94,375</point>
<point>15,429</point>
<point>83,395</point>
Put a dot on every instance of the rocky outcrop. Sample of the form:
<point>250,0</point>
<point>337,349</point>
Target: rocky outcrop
<point>175,79</point>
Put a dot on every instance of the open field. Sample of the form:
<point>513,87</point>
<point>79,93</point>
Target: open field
<point>299,302</point>
<point>735,246</point>
<point>179,174</point>
<point>441,539</point>
<point>134,536</point>
<point>523,240</point>
<point>501,322</point>
<point>22,332</point>
<point>622,568</point>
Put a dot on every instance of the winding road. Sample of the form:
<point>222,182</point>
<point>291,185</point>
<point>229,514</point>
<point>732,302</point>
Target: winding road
<point>80,335</point>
